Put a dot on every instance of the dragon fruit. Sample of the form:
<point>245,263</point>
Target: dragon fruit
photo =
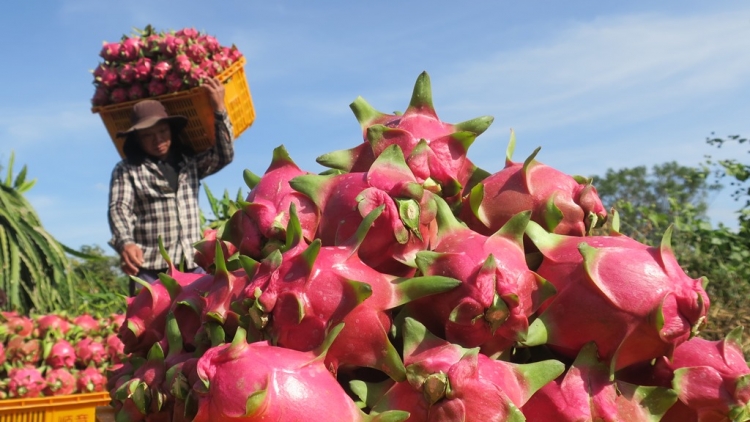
<point>170,45</point>
<point>90,380</point>
<point>142,394</point>
<point>205,249</point>
<point>118,95</point>
<point>130,49</point>
<point>90,351</point>
<point>406,226</point>
<point>161,69</point>
<point>61,355</point>
<point>182,63</point>
<point>146,315</point>
<point>446,382</point>
<point>111,51</point>
<point>22,326</point>
<point>25,382</point>
<point>143,69</point>
<point>87,323</point>
<point>498,294</point>
<point>560,203</point>
<point>156,88</point>
<point>52,323</point>
<point>278,384</point>
<point>710,377</point>
<point>22,350</point>
<point>59,382</point>
<point>260,227</point>
<point>136,92</point>
<point>645,304</point>
<point>435,151</point>
<point>586,393</point>
<point>196,52</point>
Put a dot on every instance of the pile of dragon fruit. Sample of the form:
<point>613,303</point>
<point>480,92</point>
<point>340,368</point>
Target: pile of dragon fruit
<point>153,63</point>
<point>407,284</point>
<point>54,355</point>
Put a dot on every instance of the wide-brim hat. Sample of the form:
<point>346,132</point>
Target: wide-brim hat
<point>147,113</point>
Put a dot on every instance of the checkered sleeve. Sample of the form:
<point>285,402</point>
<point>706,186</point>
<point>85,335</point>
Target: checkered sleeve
<point>121,216</point>
<point>222,153</point>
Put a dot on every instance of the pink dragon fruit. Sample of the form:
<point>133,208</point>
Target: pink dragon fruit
<point>170,45</point>
<point>188,33</point>
<point>136,92</point>
<point>446,382</point>
<point>196,52</point>
<point>101,96</point>
<point>87,323</point>
<point>318,287</point>
<point>115,349</point>
<point>118,95</point>
<point>111,51</point>
<point>143,68</point>
<point>61,355</point>
<point>498,294</point>
<point>560,203</point>
<point>278,384</point>
<point>711,378</point>
<point>211,67</point>
<point>405,227</point>
<point>25,382</point>
<point>141,394</point>
<point>146,315</point>
<point>175,82</point>
<point>182,64</point>
<point>586,393</point>
<point>116,321</point>
<point>52,323</point>
<point>156,88</point>
<point>22,326</point>
<point>161,69</point>
<point>130,49</point>
<point>22,350</point>
<point>90,351</point>
<point>90,380</point>
<point>59,382</point>
<point>195,76</point>
<point>260,227</point>
<point>210,43</point>
<point>435,151</point>
<point>205,249</point>
<point>645,305</point>
<point>108,77</point>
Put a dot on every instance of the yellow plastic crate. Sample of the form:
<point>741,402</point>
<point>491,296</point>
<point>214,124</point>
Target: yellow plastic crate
<point>70,408</point>
<point>193,104</point>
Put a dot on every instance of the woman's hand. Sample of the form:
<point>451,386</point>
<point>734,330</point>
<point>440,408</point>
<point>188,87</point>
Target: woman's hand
<point>131,259</point>
<point>215,94</point>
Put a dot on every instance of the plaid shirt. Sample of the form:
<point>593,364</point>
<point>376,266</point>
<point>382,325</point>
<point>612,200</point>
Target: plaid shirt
<point>142,205</point>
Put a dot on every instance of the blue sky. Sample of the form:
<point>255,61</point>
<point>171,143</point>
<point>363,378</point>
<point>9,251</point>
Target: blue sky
<point>596,84</point>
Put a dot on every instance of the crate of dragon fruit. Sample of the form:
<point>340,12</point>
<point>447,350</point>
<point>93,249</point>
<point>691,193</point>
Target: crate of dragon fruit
<point>170,66</point>
<point>72,407</point>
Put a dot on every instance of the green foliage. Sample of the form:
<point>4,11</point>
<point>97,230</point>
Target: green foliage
<point>221,209</point>
<point>736,172</point>
<point>35,272</point>
<point>645,199</point>
<point>101,286</point>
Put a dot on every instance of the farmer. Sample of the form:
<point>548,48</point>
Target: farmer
<point>154,190</point>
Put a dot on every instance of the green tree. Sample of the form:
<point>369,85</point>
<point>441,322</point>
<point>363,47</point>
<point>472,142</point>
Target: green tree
<point>736,172</point>
<point>650,198</point>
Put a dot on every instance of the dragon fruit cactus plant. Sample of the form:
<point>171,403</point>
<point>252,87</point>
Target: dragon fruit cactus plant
<point>560,203</point>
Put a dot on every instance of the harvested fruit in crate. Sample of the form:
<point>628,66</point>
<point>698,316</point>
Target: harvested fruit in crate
<point>150,63</point>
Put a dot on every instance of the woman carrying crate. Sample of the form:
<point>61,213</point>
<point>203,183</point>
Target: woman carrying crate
<point>154,189</point>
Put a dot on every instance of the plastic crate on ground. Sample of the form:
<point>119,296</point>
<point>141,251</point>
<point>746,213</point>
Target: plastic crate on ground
<point>193,104</point>
<point>70,408</point>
